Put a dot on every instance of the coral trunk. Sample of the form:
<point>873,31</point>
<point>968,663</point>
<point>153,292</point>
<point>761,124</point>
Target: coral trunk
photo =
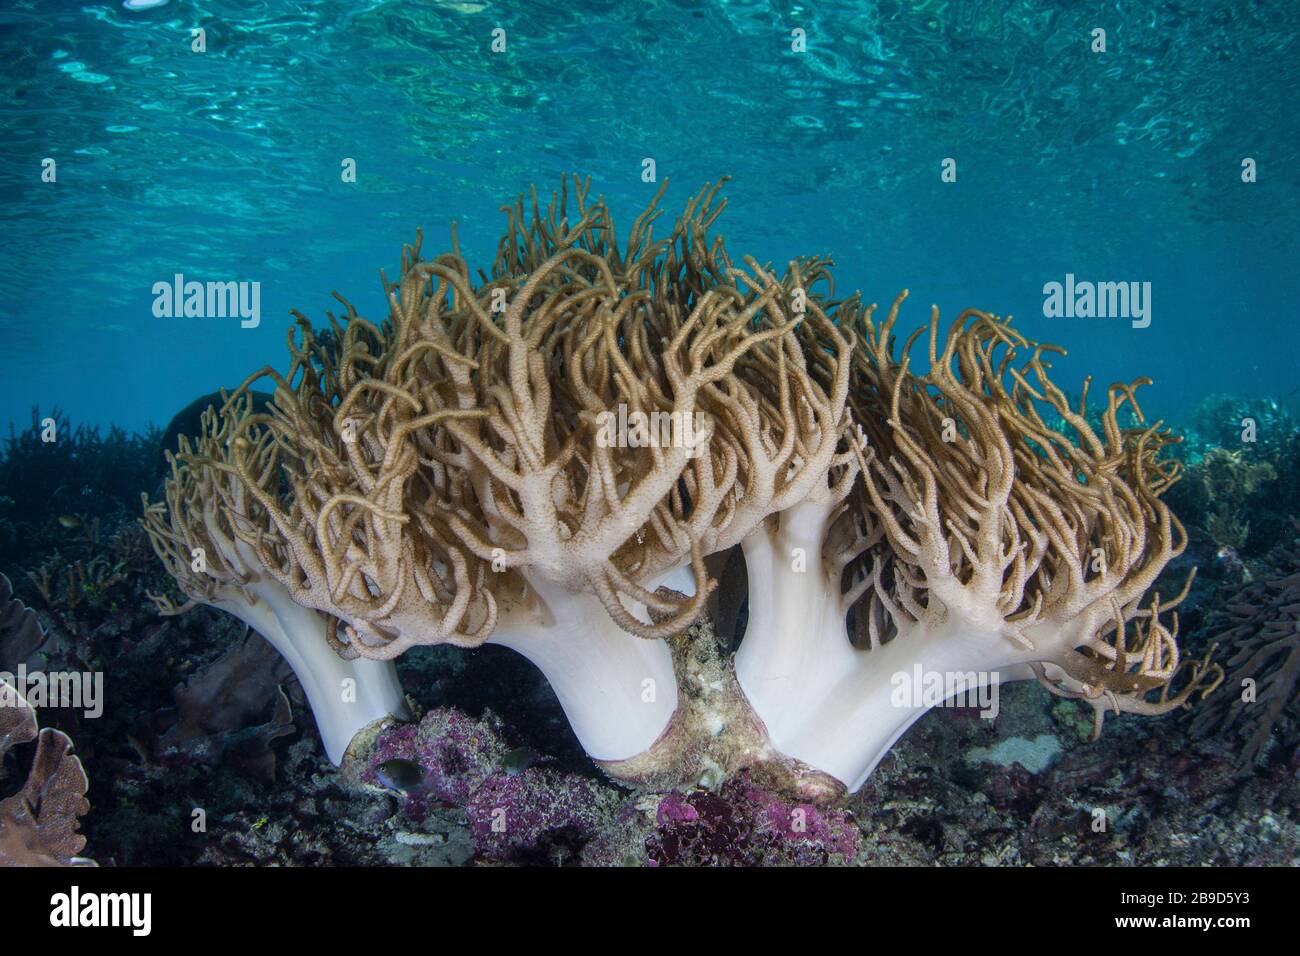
<point>345,696</point>
<point>825,703</point>
<point>618,691</point>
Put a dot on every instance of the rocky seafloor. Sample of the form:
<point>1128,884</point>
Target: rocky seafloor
<point>1024,788</point>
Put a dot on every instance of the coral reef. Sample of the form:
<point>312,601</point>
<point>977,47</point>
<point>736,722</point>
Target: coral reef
<point>217,711</point>
<point>986,545</point>
<point>542,815</point>
<point>1145,797</point>
<point>1243,475</point>
<point>1228,479</point>
<point>1170,800</point>
<point>71,544</point>
<point>545,458</point>
<point>39,824</point>
<point>52,470</point>
<point>209,547</point>
<point>1224,421</point>
<point>21,634</point>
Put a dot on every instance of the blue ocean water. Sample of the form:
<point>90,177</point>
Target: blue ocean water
<point>1123,165</point>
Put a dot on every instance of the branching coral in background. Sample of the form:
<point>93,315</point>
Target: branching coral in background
<point>52,471</point>
<point>1225,421</point>
<point>73,593</point>
<point>1262,634</point>
<point>1227,479</point>
<point>1243,474</point>
<point>38,824</point>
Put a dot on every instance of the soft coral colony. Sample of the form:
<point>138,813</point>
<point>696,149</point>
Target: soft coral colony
<point>447,476</point>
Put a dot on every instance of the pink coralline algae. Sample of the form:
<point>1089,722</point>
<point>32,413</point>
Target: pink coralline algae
<point>545,815</point>
<point>537,814</point>
<point>745,825</point>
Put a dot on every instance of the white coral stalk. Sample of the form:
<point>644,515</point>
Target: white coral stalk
<point>999,548</point>
<point>618,691</point>
<point>202,534</point>
<point>832,706</point>
<point>345,696</point>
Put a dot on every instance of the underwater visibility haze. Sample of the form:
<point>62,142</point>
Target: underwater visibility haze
<point>567,504</point>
